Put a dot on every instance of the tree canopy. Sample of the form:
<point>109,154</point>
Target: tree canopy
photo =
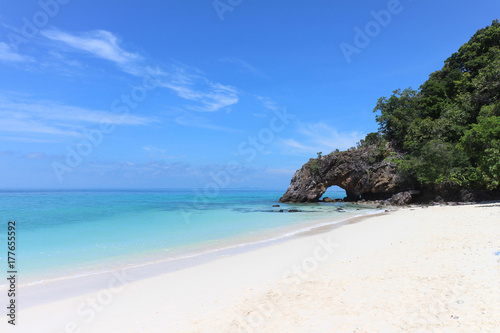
<point>449,129</point>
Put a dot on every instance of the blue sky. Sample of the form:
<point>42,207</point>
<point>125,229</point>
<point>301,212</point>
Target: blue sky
<point>183,94</point>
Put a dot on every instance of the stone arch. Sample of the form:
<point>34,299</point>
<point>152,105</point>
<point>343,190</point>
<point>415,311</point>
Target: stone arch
<point>357,172</point>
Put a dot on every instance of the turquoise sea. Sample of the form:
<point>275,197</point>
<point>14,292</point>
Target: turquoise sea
<point>71,233</point>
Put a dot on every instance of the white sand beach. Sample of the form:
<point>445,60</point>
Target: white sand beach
<point>415,270</point>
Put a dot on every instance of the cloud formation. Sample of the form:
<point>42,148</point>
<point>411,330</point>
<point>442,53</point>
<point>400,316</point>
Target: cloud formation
<point>319,137</point>
<point>49,118</point>
<point>187,83</point>
<point>100,43</point>
<point>190,120</point>
<point>8,55</point>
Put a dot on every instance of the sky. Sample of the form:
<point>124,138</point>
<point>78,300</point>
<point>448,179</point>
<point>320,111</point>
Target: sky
<point>205,94</point>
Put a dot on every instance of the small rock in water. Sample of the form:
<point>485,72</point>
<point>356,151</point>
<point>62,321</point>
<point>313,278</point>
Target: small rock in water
<point>293,210</point>
<point>281,210</point>
<point>276,205</point>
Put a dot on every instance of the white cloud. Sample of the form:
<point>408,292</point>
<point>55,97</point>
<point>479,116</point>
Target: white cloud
<point>151,168</point>
<point>294,144</point>
<point>154,150</point>
<point>63,65</point>
<point>247,67</point>
<point>35,156</point>
<point>54,119</point>
<point>187,83</point>
<point>320,137</point>
<point>269,103</point>
<point>8,55</point>
<point>160,153</point>
<point>192,85</point>
<point>32,126</point>
<point>99,43</point>
<point>280,171</point>
<point>190,120</point>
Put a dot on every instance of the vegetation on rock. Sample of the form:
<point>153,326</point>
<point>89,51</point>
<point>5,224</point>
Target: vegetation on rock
<point>449,130</point>
<point>440,142</point>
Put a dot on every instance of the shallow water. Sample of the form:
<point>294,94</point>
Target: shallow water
<point>68,233</point>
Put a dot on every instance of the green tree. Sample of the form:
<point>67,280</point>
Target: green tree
<point>482,144</point>
<point>478,52</point>
<point>396,114</point>
<point>448,131</point>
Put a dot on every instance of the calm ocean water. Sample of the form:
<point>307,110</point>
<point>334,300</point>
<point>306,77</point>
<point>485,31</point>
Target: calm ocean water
<point>67,233</point>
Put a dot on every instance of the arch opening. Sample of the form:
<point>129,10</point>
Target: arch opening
<point>334,192</point>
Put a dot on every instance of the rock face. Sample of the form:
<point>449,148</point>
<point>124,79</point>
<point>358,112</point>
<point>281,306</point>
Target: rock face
<point>402,198</point>
<point>363,173</point>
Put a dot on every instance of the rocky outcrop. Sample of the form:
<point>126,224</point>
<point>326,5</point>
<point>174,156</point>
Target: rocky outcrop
<point>402,198</point>
<point>364,173</point>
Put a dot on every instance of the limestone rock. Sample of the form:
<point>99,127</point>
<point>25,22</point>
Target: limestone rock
<point>363,173</point>
<point>402,198</point>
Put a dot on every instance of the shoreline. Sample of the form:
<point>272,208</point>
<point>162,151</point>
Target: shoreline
<point>412,265</point>
<point>90,281</point>
<point>61,270</point>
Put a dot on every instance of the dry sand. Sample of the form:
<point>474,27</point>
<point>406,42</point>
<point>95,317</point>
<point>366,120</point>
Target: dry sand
<point>414,270</point>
